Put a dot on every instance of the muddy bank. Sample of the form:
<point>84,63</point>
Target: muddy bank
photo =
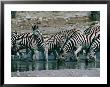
<point>92,72</point>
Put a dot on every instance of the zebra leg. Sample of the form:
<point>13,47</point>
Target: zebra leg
<point>91,56</point>
<point>18,55</point>
<point>84,52</point>
<point>77,51</point>
<point>46,53</point>
<point>55,54</point>
<point>43,55</point>
<point>36,55</point>
<point>46,56</point>
<point>29,54</point>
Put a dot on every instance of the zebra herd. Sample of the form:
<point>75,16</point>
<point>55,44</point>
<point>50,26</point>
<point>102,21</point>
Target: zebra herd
<point>61,44</point>
<point>29,41</point>
<point>88,42</point>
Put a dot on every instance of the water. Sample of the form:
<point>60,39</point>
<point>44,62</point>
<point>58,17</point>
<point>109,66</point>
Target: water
<point>19,65</point>
<point>26,64</point>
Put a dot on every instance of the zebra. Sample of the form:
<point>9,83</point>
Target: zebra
<point>33,41</point>
<point>14,34</point>
<point>55,42</point>
<point>93,28</point>
<point>94,47</point>
<point>14,37</point>
<point>79,41</point>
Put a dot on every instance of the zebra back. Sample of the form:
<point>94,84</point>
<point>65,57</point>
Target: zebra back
<point>30,41</point>
<point>79,40</point>
<point>93,29</point>
<point>58,39</point>
<point>33,41</point>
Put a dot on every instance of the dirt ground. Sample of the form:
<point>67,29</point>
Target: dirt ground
<point>94,72</point>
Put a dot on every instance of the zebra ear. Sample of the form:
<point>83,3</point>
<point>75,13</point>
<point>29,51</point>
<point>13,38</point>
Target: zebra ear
<point>34,27</point>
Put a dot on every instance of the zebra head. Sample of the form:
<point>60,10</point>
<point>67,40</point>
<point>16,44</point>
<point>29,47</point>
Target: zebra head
<point>36,31</point>
<point>91,56</point>
<point>66,55</point>
<point>35,27</point>
<point>14,33</point>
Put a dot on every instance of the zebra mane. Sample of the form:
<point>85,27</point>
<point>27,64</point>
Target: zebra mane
<point>75,31</point>
<point>95,28</point>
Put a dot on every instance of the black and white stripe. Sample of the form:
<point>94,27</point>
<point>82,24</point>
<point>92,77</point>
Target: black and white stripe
<point>79,41</point>
<point>16,37</point>
<point>94,48</point>
<point>56,41</point>
<point>33,41</point>
<point>91,29</point>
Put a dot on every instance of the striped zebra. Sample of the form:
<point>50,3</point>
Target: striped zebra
<point>79,41</point>
<point>95,29</point>
<point>55,42</point>
<point>93,49</point>
<point>14,37</point>
<point>33,41</point>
